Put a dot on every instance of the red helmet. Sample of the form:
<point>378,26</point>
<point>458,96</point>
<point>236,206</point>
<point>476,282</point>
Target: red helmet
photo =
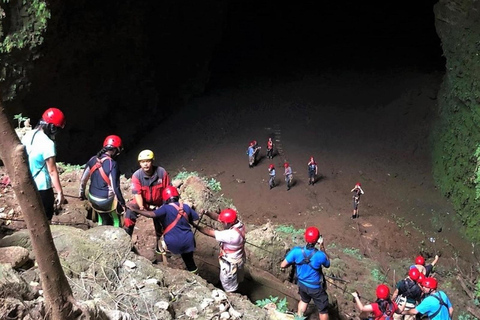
<point>312,235</point>
<point>420,260</point>
<point>286,165</point>
<point>228,216</point>
<point>414,273</point>
<point>358,184</point>
<point>311,158</point>
<point>271,166</point>
<point>383,292</point>
<point>430,283</point>
<point>55,117</point>
<point>421,278</point>
<point>113,141</point>
<point>169,192</point>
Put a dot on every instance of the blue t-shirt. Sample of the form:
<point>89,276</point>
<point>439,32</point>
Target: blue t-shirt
<point>430,305</point>
<point>39,148</point>
<point>306,272</point>
<point>250,151</point>
<point>179,239</point>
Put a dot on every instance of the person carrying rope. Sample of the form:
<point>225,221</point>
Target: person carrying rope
<point>104,193</point>
<point>309,261</point>
<point>147,186</point>
<point>232,247</point>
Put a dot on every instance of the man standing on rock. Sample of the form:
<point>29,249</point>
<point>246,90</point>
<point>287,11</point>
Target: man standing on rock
<point>232,247</point>
<point>311,281</point>
<point>148,183</point>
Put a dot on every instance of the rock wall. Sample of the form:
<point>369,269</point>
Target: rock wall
<point>456,139</point>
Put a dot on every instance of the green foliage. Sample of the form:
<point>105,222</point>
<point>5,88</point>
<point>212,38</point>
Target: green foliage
<point>22,25</point>
<point>477,288</point>
<point>20,119</point>
<point>466,316</point>
<point>353,252</point>
<point>377,276</point>
<point>211,183</point>
<point>66,167</point>
<point>296,234</point>
<point>282,305</point>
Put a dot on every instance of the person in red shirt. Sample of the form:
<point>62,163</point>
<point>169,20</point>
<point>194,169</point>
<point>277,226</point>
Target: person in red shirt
<point>270,148</point>
<point>148,183</point>
<point>382,308</point>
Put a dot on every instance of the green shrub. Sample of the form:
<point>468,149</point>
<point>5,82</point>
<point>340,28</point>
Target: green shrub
<point>282,305</point>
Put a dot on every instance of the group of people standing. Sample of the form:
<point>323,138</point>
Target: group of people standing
<point>153,197</point>
<point>416,295</point>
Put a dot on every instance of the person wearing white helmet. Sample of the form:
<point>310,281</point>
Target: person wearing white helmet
<point>147,186</point>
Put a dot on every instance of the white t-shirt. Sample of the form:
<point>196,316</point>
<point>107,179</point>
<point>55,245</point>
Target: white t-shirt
<point>232,242</point>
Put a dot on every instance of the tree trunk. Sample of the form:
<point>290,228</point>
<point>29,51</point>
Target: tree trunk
<point>57,292</point>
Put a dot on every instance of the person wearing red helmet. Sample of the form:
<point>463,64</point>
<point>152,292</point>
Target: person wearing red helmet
<point>308,262</point>
<point>357,192</point>
<point>383,307</point>
<point>436,305</point>
<point>288,175</point>
<point>271,174</point>
<point>408,293</point>
<point>270,148</point>
<point>104,193</point>
<point>232,247</point>
<point>252,152</point>
<point>40,147</point>
<point>425,269</point>
<point>176,219</point>
<point>147,186</point>
<point>312,171</point>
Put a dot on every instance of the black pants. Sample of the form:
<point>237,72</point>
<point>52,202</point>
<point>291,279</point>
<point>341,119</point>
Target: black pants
<point>189,262</point>
<point>48,200</point>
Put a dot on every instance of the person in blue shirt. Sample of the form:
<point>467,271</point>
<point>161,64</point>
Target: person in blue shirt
<point>311,281</point>
<point>176,219</point>
<point>436,305</point>
<point>271,174</point>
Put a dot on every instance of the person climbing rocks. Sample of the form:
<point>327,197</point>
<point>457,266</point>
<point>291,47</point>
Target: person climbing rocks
<point>104,193</point>
<point>357,192</point>
<point>232,247</point>
<point>308,262</point>
<point>312,171</point>
<point>382,308</point>
<point>147,186</point>
<point>40,148</point>
<point>436,305</point>
<point>288,175</point>
<point>176,219</point>
<point>425,269</point>
<point>407,293</point>
<point>271,174</point>
<point>270,148</point>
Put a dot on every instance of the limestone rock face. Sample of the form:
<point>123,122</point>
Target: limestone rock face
<point>16,256</point>
<point>457,136</point>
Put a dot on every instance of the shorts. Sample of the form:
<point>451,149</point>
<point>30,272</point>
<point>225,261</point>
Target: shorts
<point>231,274</point>
<point>355,203</point>
<point>318,295</point>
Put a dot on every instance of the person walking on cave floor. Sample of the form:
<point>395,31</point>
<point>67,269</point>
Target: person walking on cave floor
<point>288,175</point>
<point>308,262</point>
<point>104,193</point>
<point>358,191</point>
<point>312,171</point>
<point>176,218</point>
<point>271,174</point>
<point>40,148</point>
<point>232,247</point>
<point>270,148</point>
<point>147,186</point>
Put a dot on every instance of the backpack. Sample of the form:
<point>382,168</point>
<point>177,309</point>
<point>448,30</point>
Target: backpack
<point>307,260</point>
<point>388,314</point>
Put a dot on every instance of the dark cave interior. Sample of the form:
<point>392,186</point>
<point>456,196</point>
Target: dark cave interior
<point>106,63</point>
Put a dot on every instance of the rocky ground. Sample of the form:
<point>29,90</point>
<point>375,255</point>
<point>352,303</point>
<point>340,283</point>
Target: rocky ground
<point>359,127</point>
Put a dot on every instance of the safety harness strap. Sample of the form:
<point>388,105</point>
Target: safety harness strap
<point>98,166</point>
<point>442,304</point>
<point>181,213</point>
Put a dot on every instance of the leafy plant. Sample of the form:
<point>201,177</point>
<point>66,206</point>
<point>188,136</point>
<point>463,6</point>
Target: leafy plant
<point>211,183</point>
<point>214,185</point>
<point>66,167</point>
<point>353,252</point>
<point>377,275</point>
<point>20,119</point>
<point>282,305</point>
